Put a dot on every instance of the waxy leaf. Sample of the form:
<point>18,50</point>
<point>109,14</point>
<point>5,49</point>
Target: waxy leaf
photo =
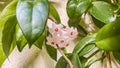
<point>75,9</point>
<point>83,61</point>
<point>76,61</point>
<point>87,49</point>
<point>32,16</point>
<point>20,39</point>
<point>108,37</point>
<point>103,11</point>
<point>97,22</point>
<point>40,40</point>
<point>8,11</point>
<point>82,32</point>
<point>7,26</point>
<point>8,34</point>
<point>83,43</point>
<point>54,13</point>
<point>117,56</point>
<point>52,52</point>
<point>2,56</point>
<point>62,62</point>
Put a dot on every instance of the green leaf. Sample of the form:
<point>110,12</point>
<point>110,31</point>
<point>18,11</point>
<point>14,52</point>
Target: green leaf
<point>8,34</point>
<point>108,37</point>
<point>82,44</point>
<point>82,32</point>
<point>75,9</point>
<point>103,11</point>
<point>76,61</point>
<point>2,56</point>
<point>62,63</point>
<point>108,1</point>
<point>87,49</point>
<point>20,39</point>
<point>73,22</point>
<point>53,12</point>
<point>83,61</point>
<point>52,52</point>
<point>97,22</point>
<point>117,56</point>
<point>32,17</point>
<point>40,41</point>
<point>8,11</point>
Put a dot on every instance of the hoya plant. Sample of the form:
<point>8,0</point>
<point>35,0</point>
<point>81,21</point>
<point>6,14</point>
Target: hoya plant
<point>93,25</point>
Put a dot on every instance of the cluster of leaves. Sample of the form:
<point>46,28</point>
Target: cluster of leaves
<point>24,22</point>
<point>104,14</point>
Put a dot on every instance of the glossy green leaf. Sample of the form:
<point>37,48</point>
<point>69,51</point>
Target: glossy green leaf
<point>8,34</point>
<point>32,17</point>
<point>108,37</point>
<point>8,11</point>
<point>2,56</point>
<point>6,14</point>
<point>103,11</point>
<point>82,44</point>
<point>117,56</point>
<point>98,23</point>
<point>73,23</point>
<point>62,63</point>
<point>76,61</point>
<point>20,39</point>
<point>52,52</point>
<point>53,12</point>
<point>109,1</point>
<point>82,32</point>
<point>87,49</point>
<point>40,41</point>
<point>83,61</point>
<point>75,9</point>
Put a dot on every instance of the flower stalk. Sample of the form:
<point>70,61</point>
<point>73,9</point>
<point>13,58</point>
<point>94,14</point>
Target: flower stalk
<point>64,56</point>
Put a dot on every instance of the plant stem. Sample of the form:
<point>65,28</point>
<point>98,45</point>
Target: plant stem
<point>52,20</point>
<point>109,59</point>
<point>65,57</point>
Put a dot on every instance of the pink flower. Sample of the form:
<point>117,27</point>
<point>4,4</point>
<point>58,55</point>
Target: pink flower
<point>55,28</point>
<point>51,41</point>
<point>63,41</point>
<point>61,36</point>
<point>72,32</point>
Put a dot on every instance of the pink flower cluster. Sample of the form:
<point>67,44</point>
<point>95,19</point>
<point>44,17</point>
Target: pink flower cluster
<point>61,35</point>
